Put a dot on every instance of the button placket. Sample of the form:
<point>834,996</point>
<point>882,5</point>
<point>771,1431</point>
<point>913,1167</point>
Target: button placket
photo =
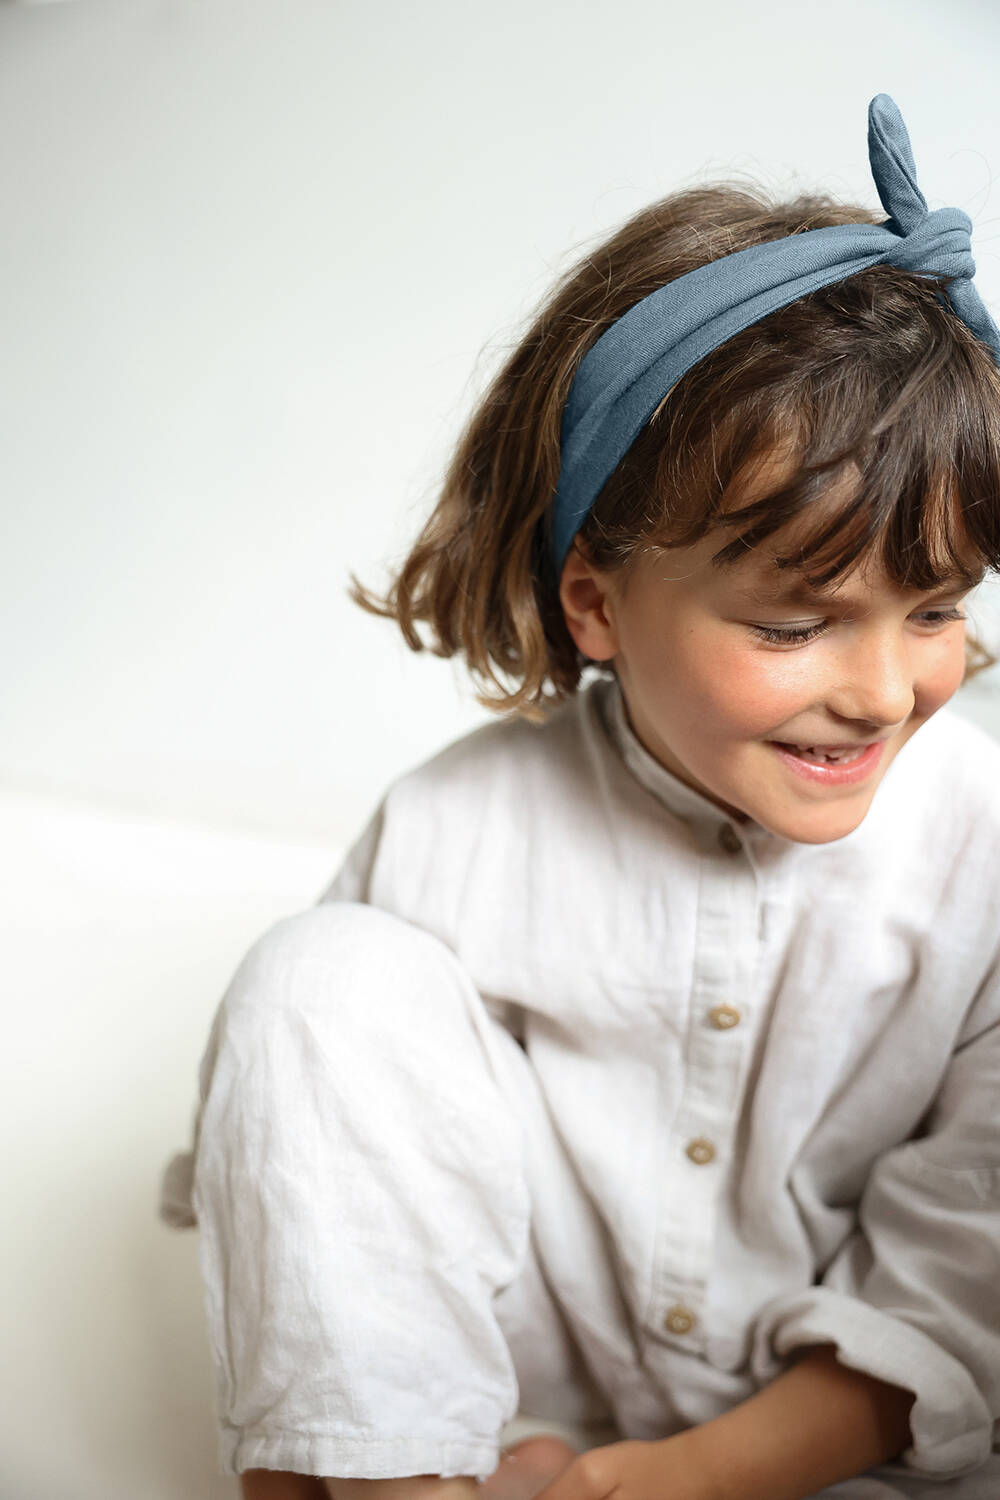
<point>724,959</point>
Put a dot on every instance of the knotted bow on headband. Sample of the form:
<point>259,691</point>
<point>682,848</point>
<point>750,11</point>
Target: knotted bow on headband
<point>624,376</point>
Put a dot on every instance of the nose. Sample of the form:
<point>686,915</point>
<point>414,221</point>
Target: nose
<point>874,683</point>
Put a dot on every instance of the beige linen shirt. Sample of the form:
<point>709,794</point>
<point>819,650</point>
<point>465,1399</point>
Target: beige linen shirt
<point>775,1066</point>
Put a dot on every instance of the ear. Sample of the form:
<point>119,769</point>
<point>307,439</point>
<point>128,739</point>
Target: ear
<point>586,594</point>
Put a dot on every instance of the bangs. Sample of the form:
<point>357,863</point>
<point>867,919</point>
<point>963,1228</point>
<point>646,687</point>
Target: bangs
<point>912,481</point>
<point>921,527</point>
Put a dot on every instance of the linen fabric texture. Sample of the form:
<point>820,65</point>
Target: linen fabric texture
<point>573,1098</point>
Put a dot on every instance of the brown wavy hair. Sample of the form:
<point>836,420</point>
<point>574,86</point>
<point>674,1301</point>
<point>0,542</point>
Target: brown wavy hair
<point>875,378</point>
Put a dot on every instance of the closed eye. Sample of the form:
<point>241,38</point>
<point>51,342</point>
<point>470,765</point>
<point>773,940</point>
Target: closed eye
<point>798,635</point>
<point>789,635</point>
<point>942,616</point>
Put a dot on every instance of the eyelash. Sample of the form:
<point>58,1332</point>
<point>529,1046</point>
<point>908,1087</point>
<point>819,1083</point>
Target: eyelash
<point>798,635</point>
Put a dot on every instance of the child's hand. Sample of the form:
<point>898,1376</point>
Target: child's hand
<point>664,1470</point>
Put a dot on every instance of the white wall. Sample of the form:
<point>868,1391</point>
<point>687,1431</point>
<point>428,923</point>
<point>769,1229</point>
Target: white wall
<point>257,261</point>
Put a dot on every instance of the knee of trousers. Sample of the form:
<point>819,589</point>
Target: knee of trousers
<point>358,969</point>
<point>349,1022</point>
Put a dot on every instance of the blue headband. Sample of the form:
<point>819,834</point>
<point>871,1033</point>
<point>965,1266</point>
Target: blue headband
<point>624,376</point>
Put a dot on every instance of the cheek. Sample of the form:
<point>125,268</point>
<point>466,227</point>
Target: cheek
<point>941,676</point>
<point>733,689</point>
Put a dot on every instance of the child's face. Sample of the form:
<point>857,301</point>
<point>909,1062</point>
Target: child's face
<point>715,700</point>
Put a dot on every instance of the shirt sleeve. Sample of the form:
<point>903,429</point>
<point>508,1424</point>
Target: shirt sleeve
<point>352,881</point>
<point>913,1295</point>
<point>355,881</point>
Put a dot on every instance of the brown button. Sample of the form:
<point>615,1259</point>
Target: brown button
<point>700,1151</point>
<point>729,839</point>
<point>724,1016</point>
<point>679,1319</point>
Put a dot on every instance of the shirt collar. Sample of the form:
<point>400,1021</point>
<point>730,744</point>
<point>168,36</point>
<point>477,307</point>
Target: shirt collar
<point>682,800</point>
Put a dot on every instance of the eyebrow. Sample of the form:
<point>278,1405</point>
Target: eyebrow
<point>800,592</point>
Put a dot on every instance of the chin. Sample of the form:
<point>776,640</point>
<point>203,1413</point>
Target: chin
<point>818,825</point>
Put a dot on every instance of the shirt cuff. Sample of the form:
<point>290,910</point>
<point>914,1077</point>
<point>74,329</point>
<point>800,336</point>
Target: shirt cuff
<point>950,1424</point>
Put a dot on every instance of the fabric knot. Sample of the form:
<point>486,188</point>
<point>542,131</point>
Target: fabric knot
<point>933,244</point>
<point>940,245</point>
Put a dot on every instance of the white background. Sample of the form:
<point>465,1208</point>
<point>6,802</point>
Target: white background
<point>258,260</point>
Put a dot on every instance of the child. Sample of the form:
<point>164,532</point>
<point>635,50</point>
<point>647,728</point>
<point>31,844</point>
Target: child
<point>639,1070</point>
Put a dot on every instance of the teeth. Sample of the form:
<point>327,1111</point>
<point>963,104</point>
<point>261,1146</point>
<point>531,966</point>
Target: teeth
<point>817,752</point>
